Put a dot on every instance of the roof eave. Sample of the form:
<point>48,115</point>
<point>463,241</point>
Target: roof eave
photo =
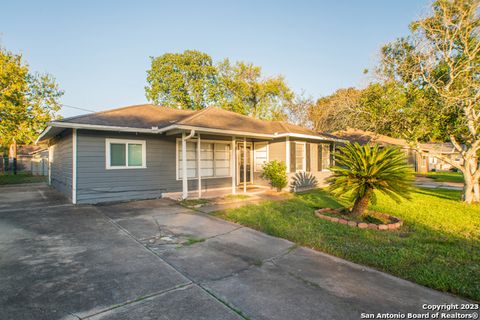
<point>71,125</point>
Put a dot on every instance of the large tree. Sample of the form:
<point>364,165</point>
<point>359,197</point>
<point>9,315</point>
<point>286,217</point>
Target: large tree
<point>336,111</point>
<point>27,100</point>
<point>185,80</point>
<point>245,90</point>
<point>440,63</point>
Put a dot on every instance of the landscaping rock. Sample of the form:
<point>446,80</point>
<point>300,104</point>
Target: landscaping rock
<point>395,222</point>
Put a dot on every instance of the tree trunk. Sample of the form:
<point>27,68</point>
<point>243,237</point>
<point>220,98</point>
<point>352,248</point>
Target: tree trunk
<point>13,156</point>
<point>471,189</point>
<point>361,204</point>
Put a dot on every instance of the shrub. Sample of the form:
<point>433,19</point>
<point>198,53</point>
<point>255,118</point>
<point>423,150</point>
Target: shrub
<point>275,172</point>
<point>363,169</point>
<point>303,181</point>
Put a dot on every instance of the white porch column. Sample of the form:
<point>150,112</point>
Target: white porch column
<point>287,154</point>
<point>199,169</point>
<point>245,164</point>
<point>184,167</point>
<point>74,166</point>
<point>233,168</point>
<point>184,163</point>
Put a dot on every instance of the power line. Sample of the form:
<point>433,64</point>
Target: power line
<point>78,108</point>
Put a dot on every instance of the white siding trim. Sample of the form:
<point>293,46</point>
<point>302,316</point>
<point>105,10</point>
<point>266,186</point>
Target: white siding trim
<point>287,154</point>
<point>74,166</point>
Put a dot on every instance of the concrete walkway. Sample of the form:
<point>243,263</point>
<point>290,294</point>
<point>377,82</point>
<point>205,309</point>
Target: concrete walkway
<point>156,260</point>
<point>425,182</point>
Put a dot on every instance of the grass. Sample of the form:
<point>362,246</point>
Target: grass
<point>439,245</point>
<point>20,178</point>
<point>445,176</point>
<point>191,241</point>
<point>236,197</point>
<point>193,202</point>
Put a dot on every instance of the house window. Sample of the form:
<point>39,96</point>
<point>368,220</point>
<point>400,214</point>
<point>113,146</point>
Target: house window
<point>325,156</point>
<point>222,160</point>
<point>300,156</point>
<point>260,155</point>
<point>125,154</point>
<point>214,159</point>
<point>191,159</point>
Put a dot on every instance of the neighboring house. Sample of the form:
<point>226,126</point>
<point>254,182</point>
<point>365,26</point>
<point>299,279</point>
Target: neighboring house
<point>421,162</point>
<point>148,151</point>
<point>32,159</point>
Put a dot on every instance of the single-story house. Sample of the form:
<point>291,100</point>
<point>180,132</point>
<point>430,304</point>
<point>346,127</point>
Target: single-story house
<point>149,151</point>
<point>28,158</point>
<point>422,162</point>
<point>33,159</point>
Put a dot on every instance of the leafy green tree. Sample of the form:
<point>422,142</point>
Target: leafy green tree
<point>27,100</point>
<point>360,170</point>
<point>185,80</point>
<point>438,65</point>
<point>245,90</point>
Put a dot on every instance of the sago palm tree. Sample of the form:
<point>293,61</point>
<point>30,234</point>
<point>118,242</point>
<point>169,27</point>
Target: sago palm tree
<point>360,170</point>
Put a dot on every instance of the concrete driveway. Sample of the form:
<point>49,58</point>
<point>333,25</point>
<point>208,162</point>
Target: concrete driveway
<point>156,260</point>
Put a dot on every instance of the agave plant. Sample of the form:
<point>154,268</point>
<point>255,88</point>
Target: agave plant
<point>360,170</point>
<point>303,181</point>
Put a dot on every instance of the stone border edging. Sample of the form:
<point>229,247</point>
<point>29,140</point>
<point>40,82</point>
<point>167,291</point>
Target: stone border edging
<point>362,225</point>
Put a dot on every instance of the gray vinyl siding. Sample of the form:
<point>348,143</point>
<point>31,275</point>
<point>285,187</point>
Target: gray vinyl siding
<point>97,184</point>
<point>320,175</point>
<point>276,151</point>
<point>61,163</point>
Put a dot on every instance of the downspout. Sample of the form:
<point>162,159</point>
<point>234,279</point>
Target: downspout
<point>184,163</point>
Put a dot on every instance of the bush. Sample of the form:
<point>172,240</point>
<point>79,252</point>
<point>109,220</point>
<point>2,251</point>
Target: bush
<point>276,174</point>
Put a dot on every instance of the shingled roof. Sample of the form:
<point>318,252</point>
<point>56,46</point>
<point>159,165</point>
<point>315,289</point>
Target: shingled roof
<point>363,137</point>
<point>150,117</point>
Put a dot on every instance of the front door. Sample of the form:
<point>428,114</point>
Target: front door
<point>241,162</point>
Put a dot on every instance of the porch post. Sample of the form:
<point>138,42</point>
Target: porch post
<point>233,169</point>
<point>245,164</point>
<point>184,167</point>
<point>199,169</point>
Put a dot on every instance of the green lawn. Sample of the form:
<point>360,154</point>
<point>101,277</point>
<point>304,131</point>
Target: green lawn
<point>20,178</point>
<point>439,245</point>
<point>445,176</point>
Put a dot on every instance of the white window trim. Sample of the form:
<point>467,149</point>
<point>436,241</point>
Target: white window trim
<point>109,141</point>
<point>255,154</point>
<point>179,140</point>
<point>304,162</point>
<point>329,156</point>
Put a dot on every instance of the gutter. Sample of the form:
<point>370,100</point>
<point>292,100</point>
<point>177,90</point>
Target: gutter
<point>155,130</point>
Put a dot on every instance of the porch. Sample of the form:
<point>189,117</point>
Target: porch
<point>251,190</point>
<point>211,166</point>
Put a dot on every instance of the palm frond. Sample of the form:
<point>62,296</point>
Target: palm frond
<point>361,168</point>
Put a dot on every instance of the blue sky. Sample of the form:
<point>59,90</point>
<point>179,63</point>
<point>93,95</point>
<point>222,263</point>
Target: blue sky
<point>99,50</point>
